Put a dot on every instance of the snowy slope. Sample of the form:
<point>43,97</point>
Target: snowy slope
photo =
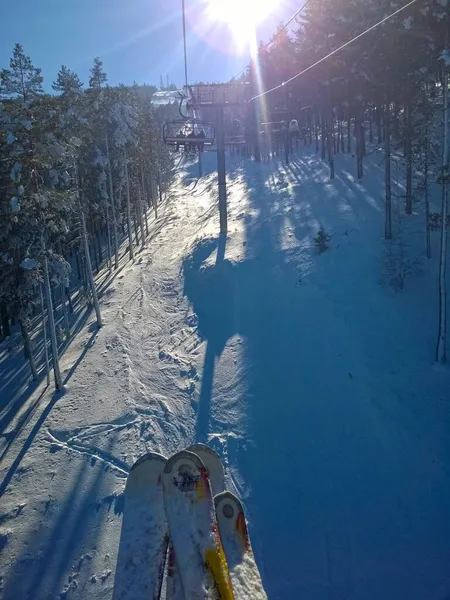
<point>313,381</point>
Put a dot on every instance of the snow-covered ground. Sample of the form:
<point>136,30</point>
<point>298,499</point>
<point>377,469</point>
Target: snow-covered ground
<point>313,381</point>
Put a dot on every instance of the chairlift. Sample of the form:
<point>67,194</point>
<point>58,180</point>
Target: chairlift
<point>188,134</point>
<point>234,140</point>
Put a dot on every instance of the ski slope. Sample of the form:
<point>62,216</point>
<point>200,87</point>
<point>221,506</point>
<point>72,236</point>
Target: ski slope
<point>313,381</point>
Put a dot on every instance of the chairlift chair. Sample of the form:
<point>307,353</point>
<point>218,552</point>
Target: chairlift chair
<point>188,134</point>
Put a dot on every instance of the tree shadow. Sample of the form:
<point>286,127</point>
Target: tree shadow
<point>37,426</point>
<point>55,552</point>
<point>23,419</point>
<point>324,470</point>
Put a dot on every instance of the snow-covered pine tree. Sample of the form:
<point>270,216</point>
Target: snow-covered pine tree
<point>67,83</point>
<point>98,77</point>
<point>22,79</point>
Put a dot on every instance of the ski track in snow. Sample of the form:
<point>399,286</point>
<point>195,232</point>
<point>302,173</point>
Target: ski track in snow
<point>313,382</point>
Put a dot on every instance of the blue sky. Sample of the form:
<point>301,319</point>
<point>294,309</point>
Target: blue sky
<point>137,39</point>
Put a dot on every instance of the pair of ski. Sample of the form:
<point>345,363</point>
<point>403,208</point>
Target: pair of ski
<point>178,509</point>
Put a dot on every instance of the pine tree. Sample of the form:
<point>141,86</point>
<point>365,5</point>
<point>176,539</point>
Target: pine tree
<point>22,78</point>
<point>67,82</point>
<point>98,77</point>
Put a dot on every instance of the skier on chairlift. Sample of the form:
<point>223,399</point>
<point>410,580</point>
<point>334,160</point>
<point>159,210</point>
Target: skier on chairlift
<point>284,134</point>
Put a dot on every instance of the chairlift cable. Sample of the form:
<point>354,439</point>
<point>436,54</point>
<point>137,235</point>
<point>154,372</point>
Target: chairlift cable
<point>277,87</point>
<point>184,45</point>
<point>275,36</point>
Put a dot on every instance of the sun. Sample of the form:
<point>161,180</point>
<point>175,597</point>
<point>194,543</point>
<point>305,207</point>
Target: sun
<point>241,17</point>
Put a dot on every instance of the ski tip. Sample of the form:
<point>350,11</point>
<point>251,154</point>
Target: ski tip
<point>148,468</point>
<point>228,505</point>
<point>153,457</point>
<point>183,457</point>
<point>230,515</point>
<point>213,464</point>
<point>202,448</point>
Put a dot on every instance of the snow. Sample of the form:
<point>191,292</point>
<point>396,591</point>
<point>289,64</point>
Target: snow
<point>313,382</point>
<point>15,204</point>
<point>15,171</point>
<point>166,97</point>
<point>7,259</point>
<point>59,149</point>
<point>445,56</point>
<point>29,263</point>
<point>75,141</point>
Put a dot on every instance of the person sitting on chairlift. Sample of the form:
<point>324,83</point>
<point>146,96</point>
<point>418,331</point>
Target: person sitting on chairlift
<point>202,136</point>
<point>179,134</point>
<point>294,131</point>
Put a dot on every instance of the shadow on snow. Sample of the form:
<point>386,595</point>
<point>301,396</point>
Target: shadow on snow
<point>335,475</point>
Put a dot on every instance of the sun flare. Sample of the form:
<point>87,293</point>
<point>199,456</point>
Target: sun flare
<point>240,16</point>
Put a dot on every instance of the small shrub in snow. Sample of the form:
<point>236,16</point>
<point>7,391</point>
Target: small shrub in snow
<point>400,258</point>
<point>435,221</point>
<point>321,241</point>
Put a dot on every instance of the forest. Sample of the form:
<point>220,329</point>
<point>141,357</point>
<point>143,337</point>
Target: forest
<point>81,170</point>
<point>367,76</point>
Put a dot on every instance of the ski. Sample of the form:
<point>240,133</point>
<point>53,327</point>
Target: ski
<point>213,464</point>
<point>174,589</point>
<point>145,535</point>
<point>244,573</point>
<point>190,512</point>
<point>215,470</point>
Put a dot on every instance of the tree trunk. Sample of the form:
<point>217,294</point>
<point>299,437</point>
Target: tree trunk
<point>379,131</point>
<point>98,238</point>
<point>64,309</point>
<point>51,325</point>
<point>28,350</point>
<point>108,233</point>
<point>78,263</point>
<point>408,157</point>
<point>387,173</point>
<point>5,320</point>
<point>330,153</point>
<point>349,134</point>
<point>333,130</point>
<point>135,223</point>
<point>141,216</point>
<point>89,271</point>
<point>113,208</point>
<point>442,330</point>
<point>396,122</point>
<point>426,163</point>
<point>323,135</point>
<point>94,253</point>
<point>127,185</point>
<point>363,139</point>
<point>44,335</point>
<point>69,300</point>
<point>359,149</point>
<point>316,131</point>
<point>145,198</point>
